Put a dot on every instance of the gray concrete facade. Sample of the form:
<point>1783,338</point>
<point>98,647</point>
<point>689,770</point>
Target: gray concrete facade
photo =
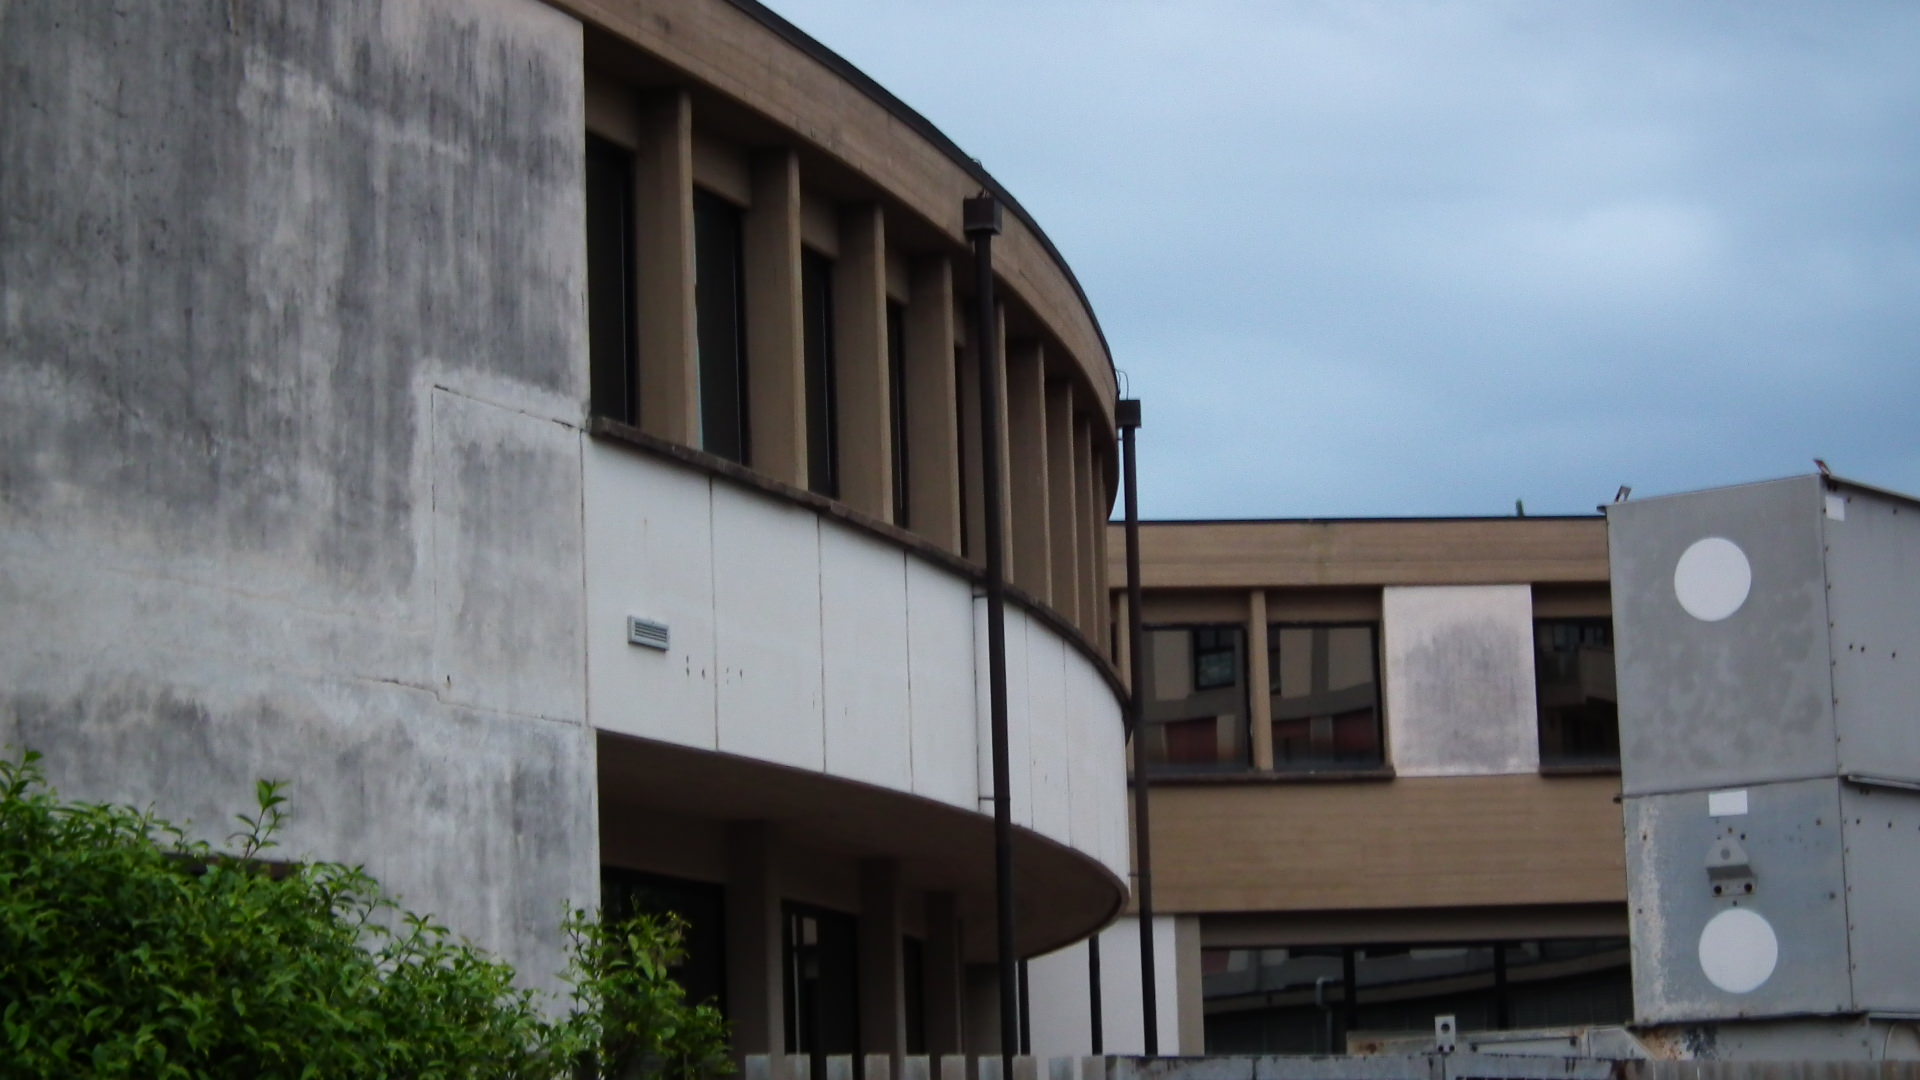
<point>292,372</point>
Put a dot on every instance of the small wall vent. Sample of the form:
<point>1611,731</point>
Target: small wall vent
<point>646,633</point>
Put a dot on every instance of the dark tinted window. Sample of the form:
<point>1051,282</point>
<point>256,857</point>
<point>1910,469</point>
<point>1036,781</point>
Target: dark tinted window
<point>897,410</point>
<point>823,430</point>
<point>1573,674</point>
<point>720,300</point>
<point>701,904</point>
<point>610,286</point>
<point>823,992</point>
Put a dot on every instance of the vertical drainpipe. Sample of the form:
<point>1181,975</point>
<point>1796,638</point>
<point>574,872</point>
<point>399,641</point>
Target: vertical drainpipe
<point>981,217</point>
<point>1127,415</point>
<point>1093,994</point>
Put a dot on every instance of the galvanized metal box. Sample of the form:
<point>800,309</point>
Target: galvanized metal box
<point>1768,648</point>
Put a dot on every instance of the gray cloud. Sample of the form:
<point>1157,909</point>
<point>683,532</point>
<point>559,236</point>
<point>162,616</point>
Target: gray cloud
<point>1429,258</point>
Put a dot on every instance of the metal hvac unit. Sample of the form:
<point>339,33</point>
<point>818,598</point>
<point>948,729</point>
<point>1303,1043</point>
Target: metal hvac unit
<point>1768,647</point>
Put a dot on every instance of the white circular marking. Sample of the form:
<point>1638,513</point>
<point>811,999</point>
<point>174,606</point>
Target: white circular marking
<point>1738,950</point>
<point>1712,578</point>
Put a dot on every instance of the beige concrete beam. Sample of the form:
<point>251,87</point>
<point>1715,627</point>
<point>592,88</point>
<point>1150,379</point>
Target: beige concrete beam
<point>1259,688</point>
<point>776,360</point>
<point>1066,533</point>
<point>860,360</point>
<point>669,382</point>
<point>1097,564</point>
<point>932,422</point>
<point>1029,517</point>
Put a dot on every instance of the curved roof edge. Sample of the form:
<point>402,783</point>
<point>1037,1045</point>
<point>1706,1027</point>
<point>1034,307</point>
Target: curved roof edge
<point>925,128</point>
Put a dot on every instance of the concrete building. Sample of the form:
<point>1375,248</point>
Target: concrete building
<point>1384,764</point>
<point>545,434</point>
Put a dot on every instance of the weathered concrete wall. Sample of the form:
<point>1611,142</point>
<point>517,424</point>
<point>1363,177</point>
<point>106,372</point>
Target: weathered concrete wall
<point>290,312</point>
<point>1460,686</point>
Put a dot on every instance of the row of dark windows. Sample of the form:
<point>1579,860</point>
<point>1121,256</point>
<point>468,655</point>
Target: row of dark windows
<point>1325,707</point>
<point>720,320</point>
<point>1307,1000</point>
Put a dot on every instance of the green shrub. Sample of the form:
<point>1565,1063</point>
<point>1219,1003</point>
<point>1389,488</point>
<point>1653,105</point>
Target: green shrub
<point>129,950</point>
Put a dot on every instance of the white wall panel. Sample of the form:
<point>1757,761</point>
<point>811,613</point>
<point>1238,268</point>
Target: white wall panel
<point>1122,1031</point>
<point>1459,673</point>
<point>863,620</point>
<point>649,544</point>
<point>1049,745</point>
<point>1019,760</point>
<point>766,571</point>
<point>1059,1006</point>
<point>940,674</point>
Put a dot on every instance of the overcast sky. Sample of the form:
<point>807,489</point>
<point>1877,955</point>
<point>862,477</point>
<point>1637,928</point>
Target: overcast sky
<point>1420,258</point>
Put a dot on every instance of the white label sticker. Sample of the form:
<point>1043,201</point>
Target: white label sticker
<point>1837,507</point>
<point>1727,803</point>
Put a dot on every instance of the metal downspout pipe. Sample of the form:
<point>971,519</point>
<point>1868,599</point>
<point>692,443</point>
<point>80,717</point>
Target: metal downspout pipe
<point>981,217</point>
<point>1127,416</point>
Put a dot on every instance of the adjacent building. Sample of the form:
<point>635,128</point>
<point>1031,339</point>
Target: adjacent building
<point>546,433</point>
<point>1385,765</point>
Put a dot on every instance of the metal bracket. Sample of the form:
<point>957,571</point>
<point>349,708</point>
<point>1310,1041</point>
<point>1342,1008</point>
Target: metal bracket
<point>1729,871</point>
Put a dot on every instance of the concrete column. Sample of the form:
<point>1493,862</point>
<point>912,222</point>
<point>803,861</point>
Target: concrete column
<point>754,961</point>
<point>1189,1002</point>
<point>944,972</point>
<point>669,381</point>
<point>1065,532</point>
<point>1032,552</point>
<point>1084,482</point>
<point>933,480</point>
<point>1259,688</point>
<point>860,358</point>
<point>883,1014</point>
<point>776,351</point>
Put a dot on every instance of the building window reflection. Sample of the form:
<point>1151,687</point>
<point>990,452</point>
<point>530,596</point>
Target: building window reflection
<point>1195,697</point>
<point>1325,683</point>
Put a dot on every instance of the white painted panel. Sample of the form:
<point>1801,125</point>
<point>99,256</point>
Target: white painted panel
<point>650,554</point>
<point>1459,673</point>
<point>1019,718</point>
<point>1121,1028</point>
<point>863,621</point>
<point>940,658</point>
<point>1048,741</point>
<point>1087,795</point>
<point>1019,761</point>
<point>766,571</point>
<point>1058,1003</point>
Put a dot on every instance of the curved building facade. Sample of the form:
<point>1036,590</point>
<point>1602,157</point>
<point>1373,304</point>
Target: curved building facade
<point>548,434</point>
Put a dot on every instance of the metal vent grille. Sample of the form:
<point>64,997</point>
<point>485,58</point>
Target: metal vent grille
<point>646,633</point>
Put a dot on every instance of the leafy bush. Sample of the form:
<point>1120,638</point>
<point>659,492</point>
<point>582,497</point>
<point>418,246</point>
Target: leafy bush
<point>129,950</point>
